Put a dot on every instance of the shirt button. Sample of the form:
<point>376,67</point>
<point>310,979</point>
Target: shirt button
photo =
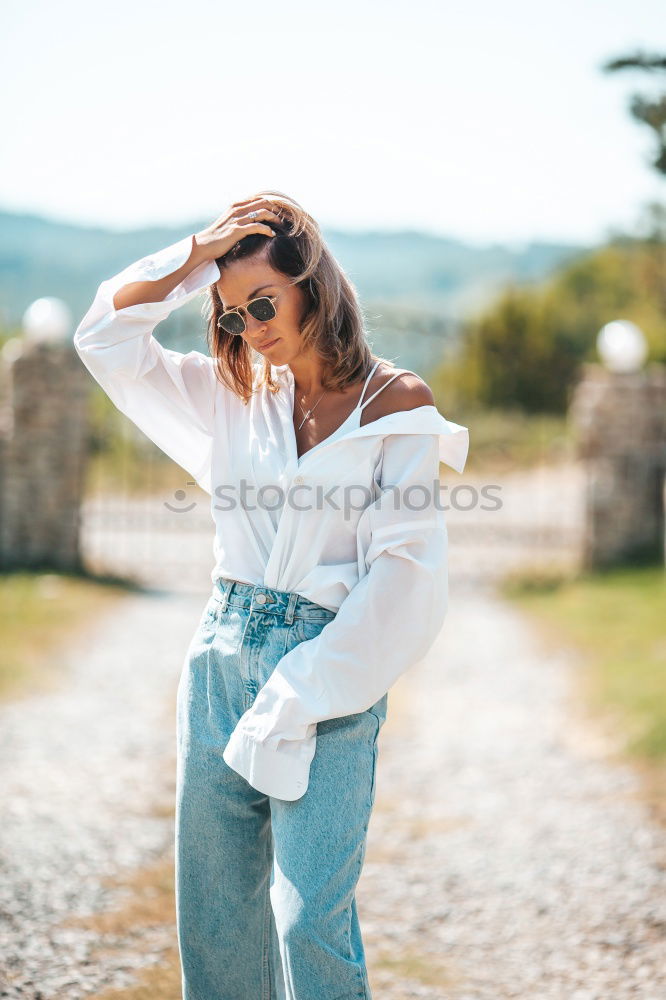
<point>299,479</point>
<point>260,598</point>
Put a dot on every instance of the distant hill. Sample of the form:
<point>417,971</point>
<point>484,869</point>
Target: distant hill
<point>415,287</point>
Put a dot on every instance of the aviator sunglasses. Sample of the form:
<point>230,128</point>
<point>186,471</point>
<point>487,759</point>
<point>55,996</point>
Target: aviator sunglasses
<point>262,309</point>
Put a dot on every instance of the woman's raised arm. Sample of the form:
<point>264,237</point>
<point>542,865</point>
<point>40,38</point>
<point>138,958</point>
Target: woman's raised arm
<point>155,289</point>
<point>168,395</point>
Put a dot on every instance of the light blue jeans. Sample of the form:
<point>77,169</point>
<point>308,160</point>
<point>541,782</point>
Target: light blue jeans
<point>265,887</point>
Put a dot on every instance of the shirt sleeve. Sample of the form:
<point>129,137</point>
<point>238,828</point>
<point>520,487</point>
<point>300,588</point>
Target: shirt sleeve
<point>386,624</point>
<point>168,395</point>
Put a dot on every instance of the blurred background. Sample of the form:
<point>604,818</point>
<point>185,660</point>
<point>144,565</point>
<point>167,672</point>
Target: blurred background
<point>492,179</point>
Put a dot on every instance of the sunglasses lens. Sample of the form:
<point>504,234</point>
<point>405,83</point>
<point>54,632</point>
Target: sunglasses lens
<point>232,323</point>
<point>261,309</point>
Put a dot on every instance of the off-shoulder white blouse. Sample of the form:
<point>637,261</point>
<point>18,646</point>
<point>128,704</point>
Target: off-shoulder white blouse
<point>356,524</point>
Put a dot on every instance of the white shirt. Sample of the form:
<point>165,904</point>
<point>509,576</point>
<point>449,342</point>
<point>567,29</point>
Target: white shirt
<point>369,553</point>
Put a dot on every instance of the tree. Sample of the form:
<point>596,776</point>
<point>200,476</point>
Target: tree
<point>651,111</point>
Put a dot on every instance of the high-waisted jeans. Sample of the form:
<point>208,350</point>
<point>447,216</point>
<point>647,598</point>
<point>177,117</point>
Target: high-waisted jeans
<point>265,887</point>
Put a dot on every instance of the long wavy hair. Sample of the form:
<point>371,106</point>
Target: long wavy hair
<point>332,322</point>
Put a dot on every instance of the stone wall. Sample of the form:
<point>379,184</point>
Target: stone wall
<point>620,429</point>
<point>43,440</point>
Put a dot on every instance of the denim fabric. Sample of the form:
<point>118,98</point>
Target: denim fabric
<point>265,887</point>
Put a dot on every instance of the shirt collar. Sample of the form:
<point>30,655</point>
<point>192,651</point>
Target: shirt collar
<point>453,438</point>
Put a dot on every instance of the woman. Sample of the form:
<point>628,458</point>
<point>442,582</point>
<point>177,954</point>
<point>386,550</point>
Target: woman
<point>330,580</point>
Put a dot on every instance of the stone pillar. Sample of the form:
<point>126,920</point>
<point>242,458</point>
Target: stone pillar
<point>42,455</point>
<point>620,429</point>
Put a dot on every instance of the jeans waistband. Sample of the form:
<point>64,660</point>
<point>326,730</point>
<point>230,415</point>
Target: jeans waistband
<point>256,597</point>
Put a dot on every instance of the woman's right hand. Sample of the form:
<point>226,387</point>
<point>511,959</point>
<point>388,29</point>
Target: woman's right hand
<point>217,239</point>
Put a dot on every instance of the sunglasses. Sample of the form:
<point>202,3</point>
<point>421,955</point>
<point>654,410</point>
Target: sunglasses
<point>262,309</point>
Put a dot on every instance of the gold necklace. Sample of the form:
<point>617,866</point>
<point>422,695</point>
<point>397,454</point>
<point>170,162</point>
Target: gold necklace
<point>311,411</point>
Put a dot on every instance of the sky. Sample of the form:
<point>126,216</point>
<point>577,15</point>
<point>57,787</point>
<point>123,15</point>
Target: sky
<point>480,121</point>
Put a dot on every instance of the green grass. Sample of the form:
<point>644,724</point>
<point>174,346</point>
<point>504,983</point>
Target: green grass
<point>504,440</point>
<point>39,612</point>
<point>616,620</point>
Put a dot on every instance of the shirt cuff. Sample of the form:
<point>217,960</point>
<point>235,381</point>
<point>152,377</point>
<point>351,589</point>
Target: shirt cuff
<point>270,771</point>
<point>154,267</point>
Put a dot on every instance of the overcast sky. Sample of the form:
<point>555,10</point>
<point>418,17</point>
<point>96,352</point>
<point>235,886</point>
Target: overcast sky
<point>483,121</point>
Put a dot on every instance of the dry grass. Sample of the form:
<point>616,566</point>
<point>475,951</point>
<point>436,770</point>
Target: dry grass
<point>428,970</point>
<point>40,612</point>
<point>149,908</point>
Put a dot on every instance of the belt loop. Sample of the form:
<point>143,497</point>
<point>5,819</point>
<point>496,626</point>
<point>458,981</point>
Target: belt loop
<point>291,607</point>
<point>226,590</point>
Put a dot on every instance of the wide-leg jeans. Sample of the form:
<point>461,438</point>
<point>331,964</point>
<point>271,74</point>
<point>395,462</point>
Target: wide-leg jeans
<point>265,887</point>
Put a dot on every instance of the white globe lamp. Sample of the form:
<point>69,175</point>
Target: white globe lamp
<point>622,346</point>
<point>47,320</point>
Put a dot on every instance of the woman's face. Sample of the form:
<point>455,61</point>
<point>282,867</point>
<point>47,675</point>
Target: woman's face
<point>278,339</point>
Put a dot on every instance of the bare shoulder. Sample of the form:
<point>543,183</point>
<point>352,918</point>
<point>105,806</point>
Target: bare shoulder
<point>405,392</point>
